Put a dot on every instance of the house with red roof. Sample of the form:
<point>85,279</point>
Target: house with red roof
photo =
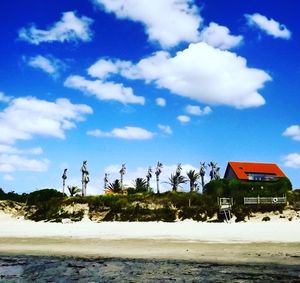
<point>252,171</point>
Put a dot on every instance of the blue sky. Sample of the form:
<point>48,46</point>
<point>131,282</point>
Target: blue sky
<point>132,81</point>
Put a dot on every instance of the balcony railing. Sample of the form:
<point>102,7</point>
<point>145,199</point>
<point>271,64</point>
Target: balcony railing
<point>265,200</point>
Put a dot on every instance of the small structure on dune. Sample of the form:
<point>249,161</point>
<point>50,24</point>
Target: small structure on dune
<point>251,171</point>
<point>225,206</point>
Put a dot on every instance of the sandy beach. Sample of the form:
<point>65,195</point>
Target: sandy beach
<point>254,231</point>
<point>276,242</point>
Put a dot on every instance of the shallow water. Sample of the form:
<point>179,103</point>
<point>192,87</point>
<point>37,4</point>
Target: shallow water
<point>70,269</point>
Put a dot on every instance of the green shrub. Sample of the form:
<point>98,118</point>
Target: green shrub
<point>266,218</point>
<point>43,195</point>
<point>293,197</point>
<point>141,214</point>
<point>60,215</point>
<point>194,213</point>
<point>13,196</point>
<point>47,203</point>
<point>240,212</point>
<point>237,189</point>
<point>46,210</point>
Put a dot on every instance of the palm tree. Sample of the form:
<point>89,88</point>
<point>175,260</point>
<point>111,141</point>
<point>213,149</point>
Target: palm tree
<point>178,169</point>
<point>157,173</point>
<point>193,178</point>
<point>213,166</point>
<point>122,173</point>
<point>175,180</point>
<point>202,172</point>
<point>73,190</point>
<point>149,176</point>
<point>105,180</point>
<point>115,187</point>
<point>64,177</point>
<point>140,185</point>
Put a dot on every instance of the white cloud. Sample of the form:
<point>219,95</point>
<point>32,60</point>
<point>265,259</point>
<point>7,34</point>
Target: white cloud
<point>196,110</point>
<point>14,162</point>
<point>8,177</point>
<point>26,117</point>
<point>104,90</point>
<point>103,68</point>
<point>220,37</point>
<point>128,133</point>
<point>95,133</point>
<point>203,73</point>
<point>183,119</point>
<point>166,129</point>
<point>4,98</point>
<point>69,28</point>
<point>168,22</point>
<point>8,149</point>
<point>49,65</point>
<point>34,150</point>
<point>269,26</point>
<point>292,160</point>
<point>161,102</point>
<point>293,132</point>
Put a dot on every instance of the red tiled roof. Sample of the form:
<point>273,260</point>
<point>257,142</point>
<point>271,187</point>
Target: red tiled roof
<point>241,168</point>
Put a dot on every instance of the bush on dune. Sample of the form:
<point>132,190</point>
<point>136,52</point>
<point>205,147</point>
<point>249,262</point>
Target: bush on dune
<point>42,196</point>
<point>13,196</point>
<point>49,204</point>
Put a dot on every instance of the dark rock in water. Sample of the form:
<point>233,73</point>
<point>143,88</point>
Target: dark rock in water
<point>70,269</point>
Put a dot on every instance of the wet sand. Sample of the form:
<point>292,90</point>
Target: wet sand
<point>262,252</point>
<point>185,251</point>
<point>95,269</point>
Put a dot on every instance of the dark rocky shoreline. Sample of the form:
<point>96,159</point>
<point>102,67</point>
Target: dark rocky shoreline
<point>74,269</point>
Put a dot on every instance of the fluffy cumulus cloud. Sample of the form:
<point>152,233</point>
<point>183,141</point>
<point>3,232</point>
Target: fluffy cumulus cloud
<point>4,98</point>
<point>196,110</point>
<point>292,160</point>
<point>219,36</point>
<point>183,119</point>
<point>127,133</point>
<point>205,74</point>
<point>161,102</point>
<point>165,129</point>
<point>293,132</point>
<point>26,117</point>
<point>49,65</point>
<point>9,149</point>
<point>103,68</point>
<point>69,28</point>
<point>167,22</point>
<point>104,90</point>
<point>13,162</point>
<point>269,26</point>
